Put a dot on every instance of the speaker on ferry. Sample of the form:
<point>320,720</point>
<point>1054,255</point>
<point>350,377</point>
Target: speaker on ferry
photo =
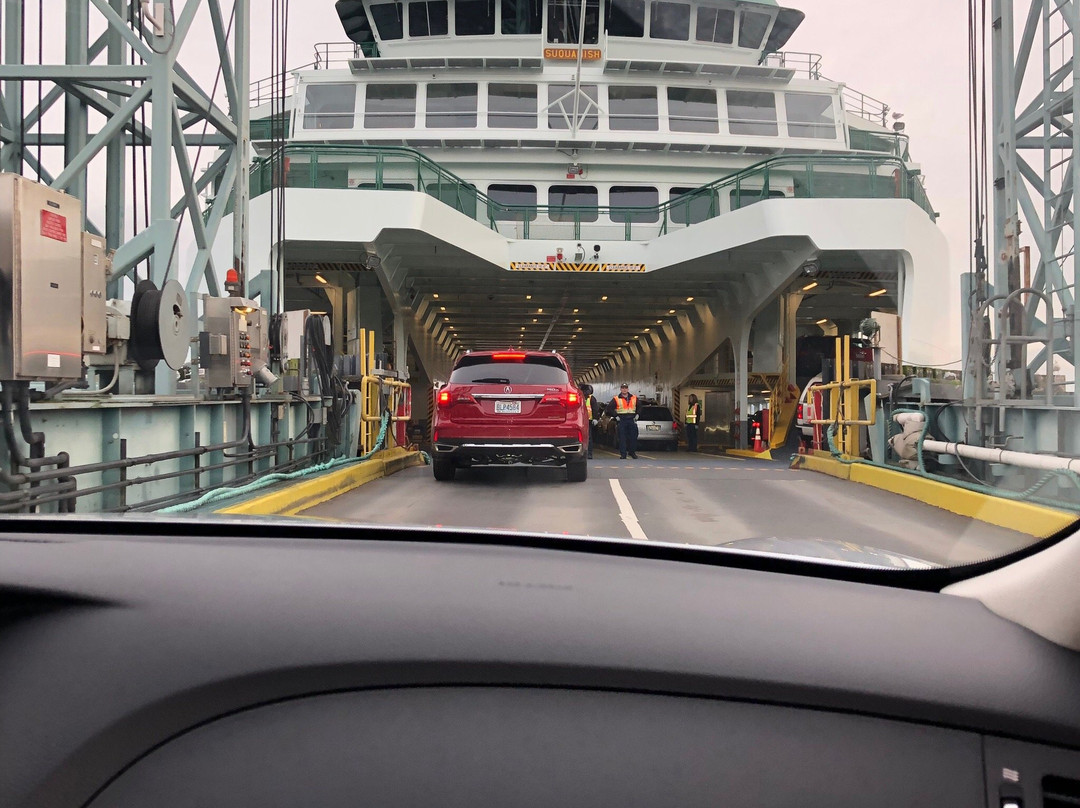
<point>354,20</point>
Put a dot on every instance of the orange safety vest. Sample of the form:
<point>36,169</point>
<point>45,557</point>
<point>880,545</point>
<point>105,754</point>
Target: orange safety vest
<point>625,406</point>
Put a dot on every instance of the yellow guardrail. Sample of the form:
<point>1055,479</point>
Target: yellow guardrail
<point>372,391</point>
<point>844,398</point>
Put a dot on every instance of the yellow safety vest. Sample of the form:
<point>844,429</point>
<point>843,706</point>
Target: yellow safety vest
<point>691,413</point>
<point>588,405</point>
<point>625,406</point>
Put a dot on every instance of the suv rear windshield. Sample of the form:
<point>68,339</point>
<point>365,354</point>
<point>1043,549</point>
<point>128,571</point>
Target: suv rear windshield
<point>654,414</point>
<point>534,370</point>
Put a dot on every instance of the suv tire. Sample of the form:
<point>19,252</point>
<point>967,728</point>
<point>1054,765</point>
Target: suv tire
<point>443,469</point>
<point>577,471</point>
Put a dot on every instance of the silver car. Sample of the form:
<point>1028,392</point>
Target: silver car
<point>656,425</point>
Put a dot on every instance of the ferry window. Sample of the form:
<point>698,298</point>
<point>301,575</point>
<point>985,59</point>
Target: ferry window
<point>692,109</point>
<point>561,106</point>
<point>451,106</point>
<point>522,196</point>
<point>387,17</point>
<point>564,18</point>
<point>715,25</point>
<point>626,18</point>
<point>810,115</point>
<point>691,205</point>
<point>428,18</point>
<point>632,108</point>
<point>752,113</point>
<point>474,17</point>
<point>330,106</point>
<point>512,106</point>
<point>390,106</point>
<point>745,197</point>
<point>582,199</point>
<point>670,21</point>
<point>522,16</point>
<point>752,29</point>
<point>629,196</point>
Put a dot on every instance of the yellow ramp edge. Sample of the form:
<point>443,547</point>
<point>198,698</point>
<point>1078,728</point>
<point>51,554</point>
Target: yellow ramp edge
<point>766,455</point>
<point>1024,517</point>
<point>299,496</point>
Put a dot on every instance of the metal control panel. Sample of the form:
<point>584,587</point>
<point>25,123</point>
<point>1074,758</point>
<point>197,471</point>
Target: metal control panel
<point>95,274</point>
<point>234,344</point>
<point>41,282</point>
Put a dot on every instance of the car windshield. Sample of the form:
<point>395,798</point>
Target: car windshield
<point>813,287</point>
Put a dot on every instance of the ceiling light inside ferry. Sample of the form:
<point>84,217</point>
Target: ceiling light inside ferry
<point>689,300</point>
<point>442,308</point>
<point>320,279</point>
<point>604,297</point>
<point>528,297</point>
<point>436,295</point>
<point>671,311</point>
<point>878,293</point>
<point>822,322</point>
<point>575,311</point>
<point>539,311</point>
<point>809,286</point>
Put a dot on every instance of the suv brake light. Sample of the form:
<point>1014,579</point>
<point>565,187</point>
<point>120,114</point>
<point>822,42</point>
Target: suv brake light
<point>675,426</point>
<point>571,399</point>
<point>508,357</point>
<point>444,398</point>
<point>799,413</point>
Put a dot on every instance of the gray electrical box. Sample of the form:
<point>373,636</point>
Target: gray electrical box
<point>95,274</point>
<point>234,344</point>
<point>41,280</point>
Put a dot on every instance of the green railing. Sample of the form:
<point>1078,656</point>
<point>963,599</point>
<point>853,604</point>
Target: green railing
<point>390,168</point>
<point>884,142</point>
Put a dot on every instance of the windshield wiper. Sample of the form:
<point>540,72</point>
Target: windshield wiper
<point>490,381</point>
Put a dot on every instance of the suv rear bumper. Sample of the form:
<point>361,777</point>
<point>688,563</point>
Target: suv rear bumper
<point>509,451</point>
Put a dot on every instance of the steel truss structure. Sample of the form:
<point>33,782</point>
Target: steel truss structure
<point>132,74</point>
<point>1036,171</point>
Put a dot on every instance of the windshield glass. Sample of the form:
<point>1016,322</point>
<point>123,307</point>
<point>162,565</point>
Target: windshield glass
<point>816,296</point>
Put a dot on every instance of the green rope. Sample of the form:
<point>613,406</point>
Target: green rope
<point>219,494</point>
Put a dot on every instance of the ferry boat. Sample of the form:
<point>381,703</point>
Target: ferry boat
<point>655,188</point>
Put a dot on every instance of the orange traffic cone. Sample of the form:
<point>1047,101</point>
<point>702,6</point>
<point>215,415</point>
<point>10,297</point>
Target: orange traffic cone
<point>758,448</point>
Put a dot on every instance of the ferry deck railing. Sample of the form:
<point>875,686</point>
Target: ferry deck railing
<point>398,168</point>
<point>332,55</point>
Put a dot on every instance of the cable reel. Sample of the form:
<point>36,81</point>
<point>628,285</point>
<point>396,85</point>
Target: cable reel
<point>159,325</point>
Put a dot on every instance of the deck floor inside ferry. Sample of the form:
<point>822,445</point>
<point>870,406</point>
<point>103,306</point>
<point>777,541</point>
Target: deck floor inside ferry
<point>680,498</point>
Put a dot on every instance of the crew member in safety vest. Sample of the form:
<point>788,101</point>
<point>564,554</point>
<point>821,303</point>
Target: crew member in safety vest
<point>624,406</point>
<point>592,407</point>
<point>693,418</point>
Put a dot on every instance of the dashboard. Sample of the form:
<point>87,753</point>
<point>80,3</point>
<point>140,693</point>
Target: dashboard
<point>308,665</point>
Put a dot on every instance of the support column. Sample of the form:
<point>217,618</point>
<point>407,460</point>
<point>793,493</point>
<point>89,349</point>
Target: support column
<point>115,152</point>
<point>741,344</point>
<point>241,115</point>
<point>13,90</point>
<point>77,52</point>
<point>401,345</point>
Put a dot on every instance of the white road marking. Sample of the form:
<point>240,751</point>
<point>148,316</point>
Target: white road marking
<point>626,512</point>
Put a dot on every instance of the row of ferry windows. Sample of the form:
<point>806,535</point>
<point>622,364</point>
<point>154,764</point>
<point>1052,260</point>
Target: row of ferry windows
<point>517,106</point>
<point>659,19</point>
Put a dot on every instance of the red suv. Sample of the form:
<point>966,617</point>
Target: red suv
<point>510,407</point>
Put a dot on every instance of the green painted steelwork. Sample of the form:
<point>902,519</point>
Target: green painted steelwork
<point>397,168</point>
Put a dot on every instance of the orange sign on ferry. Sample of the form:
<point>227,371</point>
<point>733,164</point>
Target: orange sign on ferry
<point>571,54</point>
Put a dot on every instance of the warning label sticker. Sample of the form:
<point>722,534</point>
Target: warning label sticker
<point>537,266</point>
<point>53,226</point>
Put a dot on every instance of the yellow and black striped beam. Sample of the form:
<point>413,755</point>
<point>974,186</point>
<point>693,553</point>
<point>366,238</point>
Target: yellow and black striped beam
<point>543,266</point>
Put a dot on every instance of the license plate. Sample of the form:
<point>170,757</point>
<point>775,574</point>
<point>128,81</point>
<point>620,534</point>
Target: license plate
<point>507,407</point>
<point>652,427</point>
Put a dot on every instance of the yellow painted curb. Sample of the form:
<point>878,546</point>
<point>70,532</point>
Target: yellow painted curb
<point>291,500</point>
<point>766,455</point>
<point>1024,517</point>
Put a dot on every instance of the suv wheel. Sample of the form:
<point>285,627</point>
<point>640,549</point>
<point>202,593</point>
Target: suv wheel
<point>577,471</point>
<point>443,468</point>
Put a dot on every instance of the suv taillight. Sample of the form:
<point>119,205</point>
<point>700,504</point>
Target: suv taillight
<point>444,398</point>
<point>798,413</point>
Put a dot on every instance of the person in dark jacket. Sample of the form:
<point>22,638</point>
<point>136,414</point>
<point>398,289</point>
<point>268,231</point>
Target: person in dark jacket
<point>693,418</point>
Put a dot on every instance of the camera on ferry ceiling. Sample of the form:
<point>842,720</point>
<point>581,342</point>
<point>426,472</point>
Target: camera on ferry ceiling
<point>811,269</point>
